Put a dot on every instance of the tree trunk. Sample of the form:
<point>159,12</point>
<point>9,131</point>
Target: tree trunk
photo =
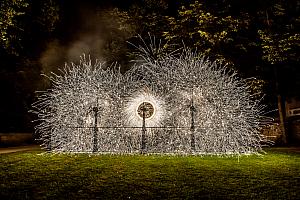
<point>281,112</point>
<point>281,106</point>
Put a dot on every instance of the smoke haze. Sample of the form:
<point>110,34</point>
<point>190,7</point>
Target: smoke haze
<point>99,33</point>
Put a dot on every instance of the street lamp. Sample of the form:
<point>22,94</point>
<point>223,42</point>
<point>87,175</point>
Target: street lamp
<point>192,111</point>
<point>145,110</point>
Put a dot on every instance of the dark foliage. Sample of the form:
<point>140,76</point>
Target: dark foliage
<point>258,38</point>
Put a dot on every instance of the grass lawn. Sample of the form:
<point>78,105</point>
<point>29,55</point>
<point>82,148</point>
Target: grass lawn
<point>37,175</point>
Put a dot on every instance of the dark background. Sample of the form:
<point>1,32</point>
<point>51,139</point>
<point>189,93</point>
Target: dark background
<point>51,32</point>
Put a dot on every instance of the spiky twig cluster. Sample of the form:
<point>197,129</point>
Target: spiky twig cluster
<point>199,107</point>
<point>226,119</point>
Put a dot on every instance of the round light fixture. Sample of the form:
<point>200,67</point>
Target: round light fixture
<point>147,108</point>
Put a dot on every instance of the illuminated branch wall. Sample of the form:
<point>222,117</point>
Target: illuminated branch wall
<point>172,104</point>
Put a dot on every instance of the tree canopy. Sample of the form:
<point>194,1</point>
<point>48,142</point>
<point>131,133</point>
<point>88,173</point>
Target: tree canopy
<point>256,38</point>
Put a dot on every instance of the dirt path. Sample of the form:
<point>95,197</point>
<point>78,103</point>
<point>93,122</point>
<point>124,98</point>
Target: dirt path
<point>20,148</point>
<point>287,149</point>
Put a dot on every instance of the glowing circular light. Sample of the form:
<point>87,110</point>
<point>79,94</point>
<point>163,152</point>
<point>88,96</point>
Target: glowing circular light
<point>147,108</point>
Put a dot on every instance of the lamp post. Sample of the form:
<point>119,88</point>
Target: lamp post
<point>143,142</point>
<point>95,135</point>
<point>192,111</point>
<point>95,109</point>
<point>145,111</point>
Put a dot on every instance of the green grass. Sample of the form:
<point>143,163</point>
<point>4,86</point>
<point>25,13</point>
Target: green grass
<point>36,175</point>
